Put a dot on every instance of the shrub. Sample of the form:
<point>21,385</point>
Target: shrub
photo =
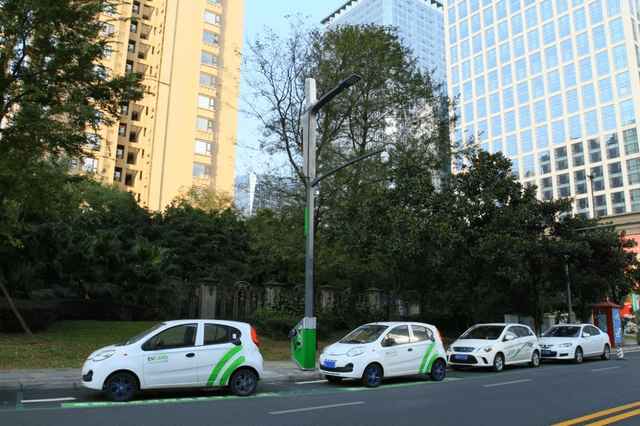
<point>103,310</point>
<point>37,314</point>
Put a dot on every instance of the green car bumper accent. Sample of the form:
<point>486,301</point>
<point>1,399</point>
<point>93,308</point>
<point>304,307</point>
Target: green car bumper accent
<point>220,365</point>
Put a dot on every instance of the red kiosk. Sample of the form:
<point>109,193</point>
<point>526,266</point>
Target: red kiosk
<point>606,316</point>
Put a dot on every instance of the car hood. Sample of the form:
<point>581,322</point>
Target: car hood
<point>342,348</point>
<point>474,343</point>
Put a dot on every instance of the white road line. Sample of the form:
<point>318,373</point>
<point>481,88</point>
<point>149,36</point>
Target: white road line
<point>48,400</point>
<point>608,368</point>
<point>312,381</point>
<point>507,383</point>
<point>316,408</point>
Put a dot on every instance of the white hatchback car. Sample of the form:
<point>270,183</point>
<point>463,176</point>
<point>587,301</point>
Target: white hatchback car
<point>574,342</point>
<point>494,345</point>
<point>182,353</point>
<point>385,349</point>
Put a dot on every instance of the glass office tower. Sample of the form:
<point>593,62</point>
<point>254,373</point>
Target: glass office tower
<point>555,86</point>
<point>420,24</point>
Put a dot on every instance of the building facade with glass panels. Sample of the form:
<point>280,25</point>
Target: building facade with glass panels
<point>420,24</point>
<point>555,86</point>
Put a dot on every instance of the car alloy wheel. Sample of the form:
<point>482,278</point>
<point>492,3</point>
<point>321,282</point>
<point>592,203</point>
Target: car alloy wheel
<point>121,387</point>
<point>606,353</point>
<point>372,376</point>
<point>243,382</point>
<point>579,357</point>
<point>535,359</point>
<point>437,370</point>
<point>498,363</point>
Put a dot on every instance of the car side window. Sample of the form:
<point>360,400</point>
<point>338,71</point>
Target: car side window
<point>421,333</point>
<point>397,336</point>
<point>523,332</point>
<point>592,330</point>
<point>216,334</point>
<point>180,336</point>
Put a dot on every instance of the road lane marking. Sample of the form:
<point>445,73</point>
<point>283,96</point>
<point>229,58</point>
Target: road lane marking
<point>322,407</point>
<point>598,414</point>
<point>603,369</point>
<point>615,419</point>
<point>312,381</point>
<point>24,401</point>
<point>507,383</point>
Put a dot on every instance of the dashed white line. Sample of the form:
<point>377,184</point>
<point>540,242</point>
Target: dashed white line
<point>312,381</point>
<point>507,383</point>
<point>48,400</point>
<point>608,368</point>
<point>317,408</point>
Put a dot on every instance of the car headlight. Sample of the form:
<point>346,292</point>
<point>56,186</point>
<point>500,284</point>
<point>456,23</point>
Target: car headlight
<point>356,351</point>
<point>485,349</point>
<point>565,345</point>
<point>101,356</point>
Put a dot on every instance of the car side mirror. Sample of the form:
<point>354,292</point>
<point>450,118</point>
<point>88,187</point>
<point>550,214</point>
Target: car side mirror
<point>389,342</point>
<point>586,335</point>
<point>509,337</point>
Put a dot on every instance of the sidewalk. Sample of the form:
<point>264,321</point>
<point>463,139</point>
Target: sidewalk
<point>274,371</point>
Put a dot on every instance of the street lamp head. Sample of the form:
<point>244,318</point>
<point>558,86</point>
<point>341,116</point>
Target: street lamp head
<point>350,81</point>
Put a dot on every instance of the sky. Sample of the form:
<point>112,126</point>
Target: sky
<point>271,14</point>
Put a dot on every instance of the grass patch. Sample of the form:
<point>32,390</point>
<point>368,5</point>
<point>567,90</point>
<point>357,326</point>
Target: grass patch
<point>68,344</point>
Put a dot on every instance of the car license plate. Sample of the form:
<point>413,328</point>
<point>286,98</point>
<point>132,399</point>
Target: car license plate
<point>462,357</point>
<point>330,364</point>
<point>546,352</point>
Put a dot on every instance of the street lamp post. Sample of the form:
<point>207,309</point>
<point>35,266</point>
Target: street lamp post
<point>304,335</point>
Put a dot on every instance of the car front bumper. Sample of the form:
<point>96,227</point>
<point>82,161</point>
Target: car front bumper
<point>341,366</point>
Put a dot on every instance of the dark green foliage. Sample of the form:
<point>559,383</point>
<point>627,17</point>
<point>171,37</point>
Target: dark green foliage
<point>104,310</point>
<point>38,315</point>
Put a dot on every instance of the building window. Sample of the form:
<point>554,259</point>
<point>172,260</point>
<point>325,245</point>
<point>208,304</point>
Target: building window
<point>212,18</point>
<point>564,185</point>
<point>131,48</point>
<point>598,179</point>
<point>580,182</point>
<point>124,109</point>
<point>211,38</point>
<point>73,165</point>
<point>207,80</point>
<point>206,102</point>
<point>201,171</point>
<point>203,147</point>
<point>633,171</point>
<point>546,188</point>
<point>577,154</point>
<point>120,152</point>
<point>595,154</point>
<point>634,195</point>
<point>630,138</point>
<point>613,146</point>
<point>90,165</point>
<point>122,130</point>
<point>615,175</point>
<point>106,53</point>
<point>93,141</point>
<point>128,68</point>
<point>617,203</point>
<point>544,162</point>
<point>133,27</point>
<point>209,59</point>
<point>106,30</point>
<point>117,174</point>
<point>204,124</point>
<point>562,162</point>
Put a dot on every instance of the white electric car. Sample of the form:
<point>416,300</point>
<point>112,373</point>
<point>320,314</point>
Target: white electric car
<point>574,342</point>
<point>494,345</point>
<point>385,349</point>
<point>182,353</point>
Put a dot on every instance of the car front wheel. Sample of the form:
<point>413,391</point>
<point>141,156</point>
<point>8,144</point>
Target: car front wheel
<point>372,376</point>
<point>606,353</point>
<point>437,370</point>
<point>121,387</point>
<point>498,363</point>
<point>579,357</point>
<point>243,382</point>
<point>535,359</point>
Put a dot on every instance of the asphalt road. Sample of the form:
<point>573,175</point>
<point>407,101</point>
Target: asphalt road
<point>548,395</point>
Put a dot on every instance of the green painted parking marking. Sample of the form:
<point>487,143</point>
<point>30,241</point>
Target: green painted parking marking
<point>161,401</point>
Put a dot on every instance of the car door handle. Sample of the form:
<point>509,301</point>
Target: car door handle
<point>410,349</point>
<point>190,355</point>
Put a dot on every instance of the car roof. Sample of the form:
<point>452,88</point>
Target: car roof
<point>217,321</point>
<point>391,323</point>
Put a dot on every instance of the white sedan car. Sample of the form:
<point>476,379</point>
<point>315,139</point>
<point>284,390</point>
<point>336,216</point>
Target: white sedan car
<point>575,342</point>
<point>182,353</point>
<point>494,345</point>
<point>385,349</point>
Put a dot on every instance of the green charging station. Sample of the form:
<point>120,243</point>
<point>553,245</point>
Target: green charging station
<point>303,343</point>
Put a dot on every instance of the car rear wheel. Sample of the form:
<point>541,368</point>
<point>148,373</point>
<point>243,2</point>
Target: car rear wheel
<point>606,353</point>
<point>579,356</point>
<point>121,387</point>
<point>243,382</point>
<point>437,370</point>
<point>372,376</point>
<point>333,379</point>
<point>535,359</point>
<point>498,363</point>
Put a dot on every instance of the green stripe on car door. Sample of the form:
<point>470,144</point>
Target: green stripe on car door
<point>426,356</point>
<point>225,358</point>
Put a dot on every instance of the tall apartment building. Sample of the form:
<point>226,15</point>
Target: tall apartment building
<point>183,133</point>
<point>420,24</point>
<point>555,86</point>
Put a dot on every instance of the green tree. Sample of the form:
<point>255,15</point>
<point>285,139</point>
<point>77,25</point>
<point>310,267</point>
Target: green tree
<point>51,95</point>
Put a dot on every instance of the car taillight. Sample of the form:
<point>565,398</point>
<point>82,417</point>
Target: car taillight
<point>439,335</point>
<point>254,337</point>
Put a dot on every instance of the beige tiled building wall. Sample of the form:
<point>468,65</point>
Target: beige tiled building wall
<point>183,133</point>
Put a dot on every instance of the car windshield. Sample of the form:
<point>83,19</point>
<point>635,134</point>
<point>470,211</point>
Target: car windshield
<point>563,331</point>
<point>484,332</point>
<point>141,335</point>
<point>364,334</point>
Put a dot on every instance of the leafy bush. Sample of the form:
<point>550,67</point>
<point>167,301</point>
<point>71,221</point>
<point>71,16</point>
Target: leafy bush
<point>103,310</point>
<point>38,315</point>
<point>274,324</point>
